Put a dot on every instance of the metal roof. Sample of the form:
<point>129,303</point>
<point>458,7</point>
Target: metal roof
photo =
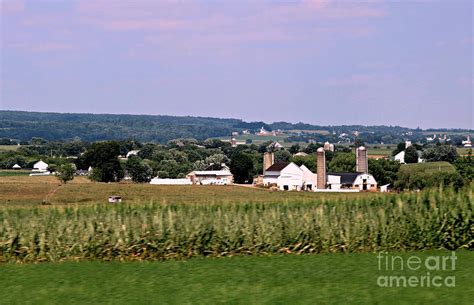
<point>277,166</point>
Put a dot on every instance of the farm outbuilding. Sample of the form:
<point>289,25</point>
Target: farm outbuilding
<point>214,174</point>
<point>40,168</point>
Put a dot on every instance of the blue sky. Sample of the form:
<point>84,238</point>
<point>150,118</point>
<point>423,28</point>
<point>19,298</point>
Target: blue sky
<point>322,62</point>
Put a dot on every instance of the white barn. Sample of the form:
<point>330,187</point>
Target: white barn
<point>289,177</point>
<point>354,181</point>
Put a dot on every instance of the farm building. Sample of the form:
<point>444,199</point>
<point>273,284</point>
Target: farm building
<point>40,168</point>
<point>275,146</point>
<point>400,157</point>
<point>286,176</point>
<point>361,180</point>
<point>328,146</point>
<point>467,143</point>
<point>289,176</point>
<point>300,154</point>
<point>355,181</point>
<point>132,153</point>
<point>165,181</point>
<point>214,174</point>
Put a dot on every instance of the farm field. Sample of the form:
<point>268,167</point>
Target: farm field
<point>223,244</point>
<point>8,148</point>
<point>227,221</point>
<point>310,279</point>
<point>463,151</point>
<point>428,167</point>
<point>32,190</point>
<point>11,172</point>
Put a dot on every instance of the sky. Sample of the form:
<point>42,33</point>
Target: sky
<point>400,63</point>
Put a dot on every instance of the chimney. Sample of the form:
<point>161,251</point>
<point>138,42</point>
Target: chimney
<point>362,165</point>
<point>268,160</point>
<point>321,169</point>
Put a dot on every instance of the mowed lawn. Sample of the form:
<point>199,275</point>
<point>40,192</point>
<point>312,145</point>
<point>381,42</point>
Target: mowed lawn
<point>28,191</point>
<point>315,279</point>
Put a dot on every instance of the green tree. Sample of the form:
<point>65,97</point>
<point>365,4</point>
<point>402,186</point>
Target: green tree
<point>138,170</point>
<point>295,148</point>
<point>282,155</point>
<point>358,142</point>
<point>411,155</point>
<point>465,166</point>
<point>309,161</point>
<point>342,162</point>
<point>400,147</point>
<point>66,172</point>
<point>440,152</point>
<point>242,167</point>
<point>384,171</point>
<point>103,157</point>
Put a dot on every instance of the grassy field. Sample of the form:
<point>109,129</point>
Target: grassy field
<point>8,148</point>
<point>464,151</point>
<point>11,172</point>
<point>32,190</point>
<point>428,167</point>
<point>316,279</point>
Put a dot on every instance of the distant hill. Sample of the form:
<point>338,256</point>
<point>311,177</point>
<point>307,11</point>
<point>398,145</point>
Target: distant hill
<point>22,125</point>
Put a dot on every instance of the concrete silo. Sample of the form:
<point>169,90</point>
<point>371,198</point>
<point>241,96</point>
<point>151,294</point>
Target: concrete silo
<point>362,165</point>
<point>321,169</point>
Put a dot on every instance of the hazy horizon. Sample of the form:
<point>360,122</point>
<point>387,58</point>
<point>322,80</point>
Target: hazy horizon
<point>408,64</point>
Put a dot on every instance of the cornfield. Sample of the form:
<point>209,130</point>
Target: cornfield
<point>433,219</point>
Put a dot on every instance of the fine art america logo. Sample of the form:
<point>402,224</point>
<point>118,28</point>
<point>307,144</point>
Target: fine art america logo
<point>416,271</point>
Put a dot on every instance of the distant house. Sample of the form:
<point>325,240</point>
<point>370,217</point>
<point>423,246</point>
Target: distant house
<point>467,143</point>
<point>264,132</point>
<point>300,154</point>
<point>16,166</point>
<point>214,174</point>
<point>275,146</point>
<point>132,153</point>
